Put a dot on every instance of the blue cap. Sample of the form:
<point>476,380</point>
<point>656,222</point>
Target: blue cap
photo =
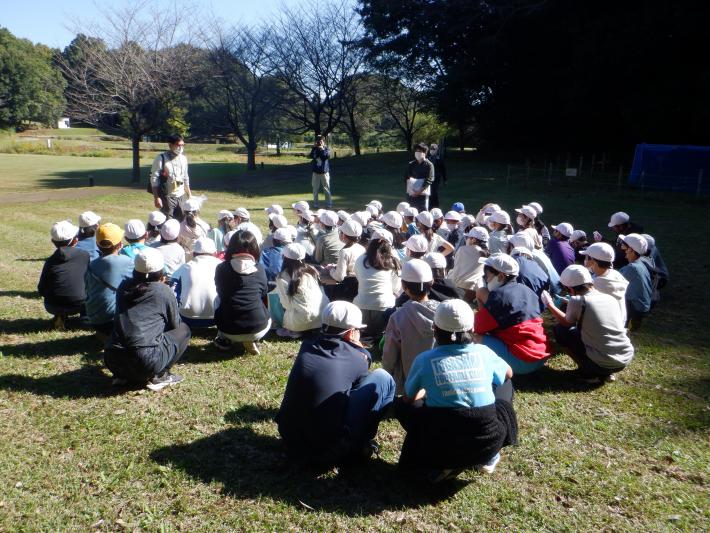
<point>458,207</point>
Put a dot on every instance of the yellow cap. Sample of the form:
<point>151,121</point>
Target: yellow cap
<point>108,235</point>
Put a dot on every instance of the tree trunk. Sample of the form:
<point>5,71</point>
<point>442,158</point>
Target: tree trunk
<point>251,156</point>
<point>409,140</point>
<point>355,138</point>
<point>136,147</point>
<point>278,146</point>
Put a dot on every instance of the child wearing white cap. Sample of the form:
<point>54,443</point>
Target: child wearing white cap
<point>558,249</point>
<point>271,257</point>
<point>620,223</point>
<point>467,416</point>
<point>539,224</point>
<point>300,293</point>
<point>467,273</point>
<point>194,285</point>
<point>526,223</point>
<point>500,230</point>
<point>392,221</point>
<point>88,224</point>
<point>328,243</point>
<point>599,259</point>
<point>343,273</point>
<point>408,220</point>
<point>156,219</point>
<point>173,253</point>
<point>377,274</point>
<point>306,232</point>
<point>225,223</point>
<point>242,222</point>
<point>135,237</point>
<point>61,283</point>
<point>436,243</point>
<point>639,292</point>
<point>591,329</point>
<point>148,336</point>
<point>578,241</point>
<point>192,227</point>
<point>409,329</point>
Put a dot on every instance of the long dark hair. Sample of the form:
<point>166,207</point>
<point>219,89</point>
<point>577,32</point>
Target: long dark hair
<point>379,256</point>
<point>398,237</point>
<point>243,242</point>
<point>426,231</point>
<point>483,247</point>
<point>190,218</point>
<point>539,224</point>
<point>296,270</point>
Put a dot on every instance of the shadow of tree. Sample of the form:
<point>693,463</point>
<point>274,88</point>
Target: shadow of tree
<point>549,380</point>
<point>86,382</point>
<point>252,465</point>
<point>88,345</point>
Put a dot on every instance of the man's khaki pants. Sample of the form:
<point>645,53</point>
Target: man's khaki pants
<point>318,181</point>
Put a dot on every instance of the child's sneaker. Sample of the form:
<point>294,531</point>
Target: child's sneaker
<point>58,322</point>
<point>490,466</point>
<point>222,343</point>
<point>163,380</point>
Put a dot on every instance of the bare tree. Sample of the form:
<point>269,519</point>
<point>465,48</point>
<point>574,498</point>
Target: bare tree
<point>316,54</point>
<point>403,102</point>
<point>359,111</point>
<point>241,88</point>
<point>130,73</point>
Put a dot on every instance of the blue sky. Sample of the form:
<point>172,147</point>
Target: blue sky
<point>46,21</point>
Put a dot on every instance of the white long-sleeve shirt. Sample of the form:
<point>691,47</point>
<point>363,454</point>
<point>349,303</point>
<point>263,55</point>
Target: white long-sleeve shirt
<point>376,289</point>
<point>346,262</point>
<point>303,310</point>
<point>195,287</point>
<point>176,165</point>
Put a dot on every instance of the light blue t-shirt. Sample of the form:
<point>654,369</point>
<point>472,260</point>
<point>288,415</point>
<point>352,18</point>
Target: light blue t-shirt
<point>89,246</point>
<point>132,249</point>
<point>456,375</point>
<point>639,290</point>
<point>102,278</point>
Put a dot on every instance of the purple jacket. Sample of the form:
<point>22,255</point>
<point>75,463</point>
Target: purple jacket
<point>560,253</point>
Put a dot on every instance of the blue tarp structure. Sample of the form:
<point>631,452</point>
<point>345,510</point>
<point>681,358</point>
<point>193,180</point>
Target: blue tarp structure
<point>671,168</point>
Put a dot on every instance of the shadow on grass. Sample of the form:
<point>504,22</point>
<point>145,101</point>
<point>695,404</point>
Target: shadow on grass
<point>85,344</point>
<point>86,382</point>
<point>251,465</point>
<point>30,295</point>
<point>549,380</point>
<point>31,259</point>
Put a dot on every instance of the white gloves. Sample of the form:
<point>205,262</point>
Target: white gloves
<point>546,298</point>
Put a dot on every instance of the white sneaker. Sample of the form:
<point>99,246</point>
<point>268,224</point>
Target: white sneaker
<point>490,466</point>
<point>251,348</point>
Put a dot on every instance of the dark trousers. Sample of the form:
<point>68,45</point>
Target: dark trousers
<point>141,364</point>
<point>420,202</point>
<point>65,310</point>
<point>571,339</point>
<point>173,206</point>
<point>434,198</point>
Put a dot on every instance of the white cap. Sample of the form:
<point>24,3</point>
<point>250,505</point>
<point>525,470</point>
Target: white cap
<point>452,215</point>
<point>392,219</point>
<point>435,260</point>
<point>293,231</point>
<point>361,217</point>
<point>528,211</point>
<point>301,205</point>
<point>88,218</point>
<point>618,218</point>
<point>479,233</point>
<point>170,230</point>
<point>157,218</point>
<point>149,260</point>
<point>426,219</point>
<point>649,239</point>
<point>319,212</point>
<point>204,245</point>
<point>502,263</point>
<point>343,215</point>
<point>522,239</point>
<point>343,315</point>
<point>437,213</point>
<point>372,209</point>
<point>600,251</point>
<point>577,235</point>
<point>501,217</point>
<point>63,231</point>
<point>454,315</point>
<point>521,250</point>
<point>489,209</point>
<point>417,243</point>
<point>575,275</point>
<point>294,251</point>
<point>537,207</point>
<point>228,236</point>
<point>565,228</point>
<point>135,229</point>
<point>225,213</point>
<point>279,221</point>
<point>410,212</point>
<point>242,212</point>
<point>351,228</point>
<point>376,203</point>
<point>329,218</point>
<point>193,204</point>
<point>382,235</point>
<point>636,242</point>
<point>283,234</point>
<point>466,221</point>
<point>401,207</point>
<point>274,209</point>
<point>417,271</point>
<point>306,215</point>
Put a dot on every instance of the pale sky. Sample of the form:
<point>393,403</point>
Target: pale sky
<point>46,21</point>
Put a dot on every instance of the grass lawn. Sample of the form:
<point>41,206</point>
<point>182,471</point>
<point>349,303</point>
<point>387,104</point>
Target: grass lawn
<point>205,455</point>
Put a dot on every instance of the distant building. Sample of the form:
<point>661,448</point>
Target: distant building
<point>63,123</point>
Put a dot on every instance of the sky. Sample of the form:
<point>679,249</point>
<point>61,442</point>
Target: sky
<point>48,21</point>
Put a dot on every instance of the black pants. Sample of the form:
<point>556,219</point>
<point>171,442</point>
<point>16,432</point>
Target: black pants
<point>434,198</point>
<point>420,202</point>
<point>571,338</point>
<point>173,206</point>
<point>65,311</point>
<point>141,364</point>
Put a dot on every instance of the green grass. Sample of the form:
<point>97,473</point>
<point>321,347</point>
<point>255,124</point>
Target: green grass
<point>205,455</point>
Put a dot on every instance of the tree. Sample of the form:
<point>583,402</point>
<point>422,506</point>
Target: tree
<point>359,111</point>
<point>31,87</point>
<point>135,80</point>
<point>316,54</point>
<point>240,89</point>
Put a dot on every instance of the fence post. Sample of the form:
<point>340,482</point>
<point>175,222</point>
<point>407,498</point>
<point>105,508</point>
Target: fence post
<point>700,183</point>
<point>507,178</point>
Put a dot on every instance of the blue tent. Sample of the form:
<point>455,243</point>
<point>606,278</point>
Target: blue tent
<point>671,168</point>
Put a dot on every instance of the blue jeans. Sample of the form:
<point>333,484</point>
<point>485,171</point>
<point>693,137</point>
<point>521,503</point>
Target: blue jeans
<point>369,400</point>
<point>518,365</point>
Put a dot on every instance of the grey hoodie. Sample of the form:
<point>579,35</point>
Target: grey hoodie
<point>614,284</point>
<point>409,332</point>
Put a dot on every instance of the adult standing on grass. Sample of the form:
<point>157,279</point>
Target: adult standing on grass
<point>320,177</point>
<point>170,180</point>
<point>437,159</point>
<point>419,177</point>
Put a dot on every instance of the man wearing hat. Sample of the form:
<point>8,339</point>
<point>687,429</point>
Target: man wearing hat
<point>61,283</point>
<point>88,224</point>
<point>169,179</point>
<point>103,277</point>
<point>558,249</point>
<point>328,243</point>
<point>332,405</point>
<point>591,329</point>
<point>194,285</point>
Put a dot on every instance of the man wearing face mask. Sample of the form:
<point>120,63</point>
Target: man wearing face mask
<point>439,172</point>
<point>169,179</point>
<point>419,177</point>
